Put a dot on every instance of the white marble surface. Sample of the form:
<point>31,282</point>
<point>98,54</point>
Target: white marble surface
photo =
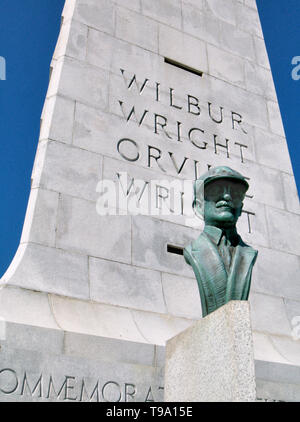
<point>118,268</point>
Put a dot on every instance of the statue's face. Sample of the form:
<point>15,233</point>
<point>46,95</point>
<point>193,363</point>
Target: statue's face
<point>223,202</point>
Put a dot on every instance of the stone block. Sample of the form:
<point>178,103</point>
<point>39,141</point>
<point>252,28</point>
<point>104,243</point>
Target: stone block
<point>275,120</point>
<point>288,347</point>
<point>264,348</point>
<point>142,61</point>
<point>148,231</point>
<point>272,194</point>
<point>277,382</point>
<point>92,128</point>
<point>251,106</point>
<point>253,224</point>
<point>199,4</point>
<point>223,10</point>
<point>40,218</point>
<point>158,328</point>
<point>200,24</point>
<point>261,52</point>
<point>268,314</point>
<point>291,193</point>
<point>259,80</point>
<point>165,11</point>
<point>282,233</point>
<point>58,119</point>
<point>70,170</point>
<point>72,41</point>
<point>100,49</point>
<point>137,29</point>
<point>130,4</point>
<point>293,313</point>
<point>124,285</point>
<point>251,3</point>
<point>77,316</point>
<point>268,146</point>
<point>108,349</point>
<point>30,307</point>
<point>81,229</point>
<point>237,41</point>
<point>213,359</point>
<point>226,66</point>
<point>30,337</point>
<point>182,296</point>
<point>49,270</point>
<point>182,48</point>
<point>81,82</point>
<point>248,20</point>
<point>271,268</point>
<point>98,14</point>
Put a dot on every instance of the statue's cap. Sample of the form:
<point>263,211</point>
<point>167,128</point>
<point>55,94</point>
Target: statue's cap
<point>221,172</point>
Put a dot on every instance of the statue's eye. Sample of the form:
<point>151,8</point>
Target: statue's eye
<point>213,191</point>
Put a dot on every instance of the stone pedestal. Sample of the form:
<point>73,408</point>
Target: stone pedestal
<point>213,359</point>
<point>90,300</point>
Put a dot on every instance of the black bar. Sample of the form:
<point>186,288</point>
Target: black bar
<point>175,249</point>
<point>183,66</point>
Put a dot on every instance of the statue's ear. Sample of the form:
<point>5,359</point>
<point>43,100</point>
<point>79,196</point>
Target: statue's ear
<point>198,207</point>
<point>239,212</point>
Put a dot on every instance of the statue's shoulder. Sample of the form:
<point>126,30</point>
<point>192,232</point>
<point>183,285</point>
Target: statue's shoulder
<point>247,248</point>
<point>195,245</point>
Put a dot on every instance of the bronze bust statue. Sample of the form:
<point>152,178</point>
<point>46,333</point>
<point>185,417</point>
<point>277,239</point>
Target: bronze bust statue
<point>221,261</point>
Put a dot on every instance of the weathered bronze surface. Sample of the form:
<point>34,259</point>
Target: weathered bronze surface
<point>221,261</point>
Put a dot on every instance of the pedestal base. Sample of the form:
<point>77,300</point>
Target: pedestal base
<point>213,360</point>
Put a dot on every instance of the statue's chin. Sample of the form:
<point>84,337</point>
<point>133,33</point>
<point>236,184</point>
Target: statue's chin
<point>224,219</point>
<point>226,216</point>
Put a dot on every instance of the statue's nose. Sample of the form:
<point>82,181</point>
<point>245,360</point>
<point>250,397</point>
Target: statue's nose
<point>227,197</point>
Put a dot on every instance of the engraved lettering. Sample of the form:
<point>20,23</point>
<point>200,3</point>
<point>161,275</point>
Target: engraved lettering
<point>195,129</point>
<point>15,382</point>
<point>159,195</point>
<point>127,190</point>
<point>179,131</point>
<point>221,145</point>
<point>130,141</point>
<point>69,387</point>
<point>149,397</point>
<point>156,158</point>
<point>237,118</point>
<point>210,115</point>
<point>175,164</point>
<point>31,391</point>
<point>133,80</point>
<point>194,104</point>
<point>106,391</point>
<point>162,125</point>
<point>132,113</point>
<point>52,387</point>
<point>128,393</point>
<point>241,150</point>
<point>107,198</point>
<point>248,213</point>
<point>94,392</point>
<point>196,168</point>
<point>157,85</point>
<point>171,100</point>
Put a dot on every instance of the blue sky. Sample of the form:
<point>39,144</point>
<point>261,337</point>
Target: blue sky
<point>29,30</point>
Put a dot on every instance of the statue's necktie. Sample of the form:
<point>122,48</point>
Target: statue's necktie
<point>225,252</point>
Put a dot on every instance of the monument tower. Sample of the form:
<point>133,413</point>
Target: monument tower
<point>143,94</point>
